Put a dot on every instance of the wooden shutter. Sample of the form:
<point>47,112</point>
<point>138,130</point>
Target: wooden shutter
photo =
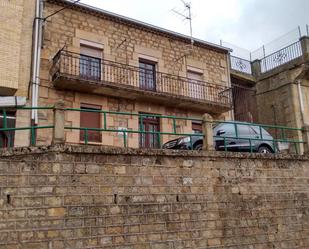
<point>90,51</point>
<point>196,127</point>
<point>195,75</point>
<point>90,120</point>
<point>196,89</point>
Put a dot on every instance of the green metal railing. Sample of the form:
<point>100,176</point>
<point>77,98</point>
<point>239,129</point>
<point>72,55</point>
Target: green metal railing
<point>283,137</point>
<point>279,134</point>
<point>32,128</point>
<point>127,131</point>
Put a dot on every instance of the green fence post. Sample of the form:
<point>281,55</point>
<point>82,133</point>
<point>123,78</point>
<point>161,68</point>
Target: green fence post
<point>261,132</point>
<point>105,120</point>
<point>159,139</point>
<point>282,133</point>
<point>32,139</point>
<point>4,119</point>
<point>174,125</point>
<point>124,139</point>
<point>236,131</point>
<point>86,135</point>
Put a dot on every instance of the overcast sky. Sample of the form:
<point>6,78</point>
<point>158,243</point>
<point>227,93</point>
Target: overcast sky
<point>246,23</point>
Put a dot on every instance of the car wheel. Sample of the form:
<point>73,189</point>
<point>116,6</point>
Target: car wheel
<point>264,150</point>
<point>198,147</point>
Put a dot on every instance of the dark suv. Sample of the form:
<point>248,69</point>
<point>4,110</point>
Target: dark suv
<point>245,131</point>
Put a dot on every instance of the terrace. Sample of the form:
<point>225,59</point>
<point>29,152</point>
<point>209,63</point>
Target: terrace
<point>288,49</point>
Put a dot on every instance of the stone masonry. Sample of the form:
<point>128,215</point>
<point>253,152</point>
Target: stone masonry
<point>122,43</point>
<point>70,197</point>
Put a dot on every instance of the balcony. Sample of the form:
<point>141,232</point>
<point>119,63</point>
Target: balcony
<point>71,71</point>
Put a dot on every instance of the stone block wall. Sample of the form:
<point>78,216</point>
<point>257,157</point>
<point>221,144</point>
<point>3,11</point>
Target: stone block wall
<point>94,197</point>
<point>278,101</point>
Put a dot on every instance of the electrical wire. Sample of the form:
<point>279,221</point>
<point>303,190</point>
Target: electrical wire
<point>45,18</point>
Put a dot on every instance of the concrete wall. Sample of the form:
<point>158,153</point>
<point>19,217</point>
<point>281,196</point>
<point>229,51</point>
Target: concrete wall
<point>95,197</point>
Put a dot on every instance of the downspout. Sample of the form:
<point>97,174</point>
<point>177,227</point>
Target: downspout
<point>301,100</point>
<point>36,61</point>
<point>38,65</point>
<point>228,71</point>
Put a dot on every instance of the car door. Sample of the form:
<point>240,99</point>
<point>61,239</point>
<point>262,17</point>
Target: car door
<point>247,137</point>
<point>225,133</point>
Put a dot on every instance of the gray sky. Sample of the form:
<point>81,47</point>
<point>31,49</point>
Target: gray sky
<point>246,23</point>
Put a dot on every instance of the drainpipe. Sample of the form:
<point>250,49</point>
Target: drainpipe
<point>36,60</point>
<point>301,100</point>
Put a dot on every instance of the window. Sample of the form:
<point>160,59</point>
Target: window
<point>229,129</point>
<point>196,88</point>
<point>7,137</point>
<point>196,127</point>
<point>245,130</point>
<point>147,75</point>
<point>90,120</point>
<point>149,124</point>
<point>90,63</point>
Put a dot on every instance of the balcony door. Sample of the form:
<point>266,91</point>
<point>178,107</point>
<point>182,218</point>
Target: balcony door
<point>90,63</point>
<point>147,75</point>
<point>150,124</point>
<point>196,87</point>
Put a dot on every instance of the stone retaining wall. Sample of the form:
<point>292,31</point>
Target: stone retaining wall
<point>103,197</point>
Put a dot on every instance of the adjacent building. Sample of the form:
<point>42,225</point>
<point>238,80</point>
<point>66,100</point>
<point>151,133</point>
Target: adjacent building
<point>16,24</point>
<point>276,88</point>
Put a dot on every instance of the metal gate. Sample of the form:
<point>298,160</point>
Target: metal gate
<point>244,104</point>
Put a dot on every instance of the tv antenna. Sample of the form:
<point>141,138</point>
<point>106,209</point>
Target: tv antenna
<point>187,15</point>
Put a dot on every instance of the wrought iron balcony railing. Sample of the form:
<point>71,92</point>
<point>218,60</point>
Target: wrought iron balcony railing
<point>105,72</point>
<point>240,65</point>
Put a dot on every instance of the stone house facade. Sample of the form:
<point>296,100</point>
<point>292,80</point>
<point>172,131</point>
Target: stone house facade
<point>93,59</point>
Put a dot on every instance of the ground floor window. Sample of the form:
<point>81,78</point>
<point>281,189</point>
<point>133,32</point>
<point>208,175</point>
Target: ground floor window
<point>7,137</point>
<point>196,127</point>
<point>90,120</point>
<point>152,124</point>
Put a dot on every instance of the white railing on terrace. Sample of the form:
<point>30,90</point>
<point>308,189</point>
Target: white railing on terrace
<point>271,55</point>
<point>281,57</point>
<point>240,65</point>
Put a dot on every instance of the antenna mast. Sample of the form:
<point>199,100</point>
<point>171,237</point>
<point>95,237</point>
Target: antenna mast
<point>187,16</point>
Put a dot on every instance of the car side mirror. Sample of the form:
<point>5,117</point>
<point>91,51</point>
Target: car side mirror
<point>220,132</point>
